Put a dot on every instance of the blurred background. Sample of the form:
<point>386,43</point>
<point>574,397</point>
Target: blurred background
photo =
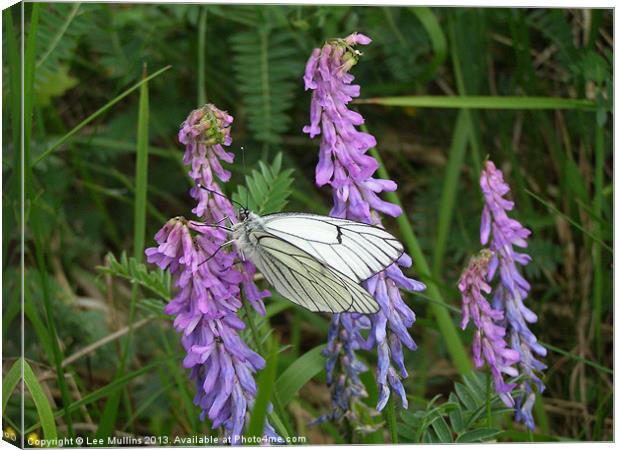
<point>80,152</point>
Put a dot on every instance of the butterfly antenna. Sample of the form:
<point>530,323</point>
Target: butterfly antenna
<point>220,194</point>
<point>247,191</point>
<point>214,224</point>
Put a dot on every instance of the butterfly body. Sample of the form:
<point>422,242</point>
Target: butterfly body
<point>317,262</point>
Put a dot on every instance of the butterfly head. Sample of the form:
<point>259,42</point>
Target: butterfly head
<point>244,213</point>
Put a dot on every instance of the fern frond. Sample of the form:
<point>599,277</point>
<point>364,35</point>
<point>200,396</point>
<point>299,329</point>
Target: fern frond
<point>59,31</point>
<point>267,190</point>
<point>156,281</point>
<point>460,419</point>
<point>266,64</point>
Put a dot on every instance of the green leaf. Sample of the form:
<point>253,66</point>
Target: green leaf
<point>55,85</point>
<point>575,180</point>
<point>267,190</point>
<point>154,306</point>
<point>441,428</point>
<point>450,189</point>
<point>481,102</point>
<point>438,39</point>
<point>410,418</point>
<point>478,435</point>
<point>299,373</point>
<point>465,396</point>
<point>10,382</point>
<point>407,434</point>
<point>456,416</point>
<point>266,67</point>
<point>141,180</point>
<point>59,30</point>
<point>156,280</point>
<point>477,387</point>
<point>276,307</point>
<point>41,402</point>
<point>107,389</point>
<point>265,388</point>
<point>31,313</point>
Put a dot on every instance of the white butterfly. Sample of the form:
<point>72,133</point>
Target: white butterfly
<point>317,262</point>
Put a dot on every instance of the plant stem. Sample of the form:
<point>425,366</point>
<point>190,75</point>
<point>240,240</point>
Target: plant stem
<point>391,419</point>
<point>202,33</point>
<point>597,263</point>
<point>488,400</point>
<point>445,324</point>
<point>108,420</point>
<point>274,398</point>
<point>449,191</point>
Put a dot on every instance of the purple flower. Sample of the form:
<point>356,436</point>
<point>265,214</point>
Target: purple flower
<point>489,343</point>
<point>345,166</point>
<point>503,234</point>
<point>208,285</point>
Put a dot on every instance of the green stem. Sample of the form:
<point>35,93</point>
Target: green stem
<point>259,346</point>
<point>449,191</point>
<point>460,82</point>
<point>111,408</point>
<point>202,33</point>
<point>480,102</point>
<point>542,421</point>
<point>488,400</point>
<point>28,74</point>
<point>599,160</point>
<point>391,419</point>
<point>438,306</point>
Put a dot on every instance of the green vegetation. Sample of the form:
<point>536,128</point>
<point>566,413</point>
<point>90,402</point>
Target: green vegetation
<point>106,87</point>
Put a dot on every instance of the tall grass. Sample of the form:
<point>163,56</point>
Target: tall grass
<point>109,418</point>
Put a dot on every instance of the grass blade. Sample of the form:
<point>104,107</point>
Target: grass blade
<point>438,40</point>
<point>142,154</point>
<point>571,221</point>
<point>106,425</point>
<point>202,34</point>
<point>445,324</point>
<point>449,191</point>
<point>35,220</point>
<point>96,114</point>
<point>266,381</point>
<point>578,358</point>
<point>15,92</point>
<point>108,389</point>
<point>597,260</point>
<point>390,413</point>
<point>9,383</point>
<point>14,72</point>
<point>299,373</point>
<point>480,102</point>
<point>41,402</point>
<point>478,435</point>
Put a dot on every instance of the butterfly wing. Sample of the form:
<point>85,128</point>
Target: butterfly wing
<point>356,250</point>
<point>305,280</point>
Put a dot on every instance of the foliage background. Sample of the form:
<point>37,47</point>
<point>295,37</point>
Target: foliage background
<point>83,199</point>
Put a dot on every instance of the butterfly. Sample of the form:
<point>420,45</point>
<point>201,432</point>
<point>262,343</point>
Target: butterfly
<point>317,262</point>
